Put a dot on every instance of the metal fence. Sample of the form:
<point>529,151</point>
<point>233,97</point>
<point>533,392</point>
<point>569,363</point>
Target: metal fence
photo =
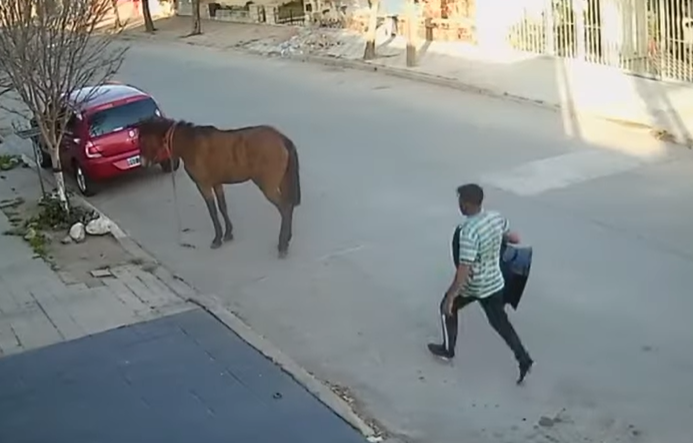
<point>289,17</point>
<point>648,37</point>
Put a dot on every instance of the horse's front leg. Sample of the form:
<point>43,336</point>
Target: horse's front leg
<point>208,195</point>
<point>221,200</point>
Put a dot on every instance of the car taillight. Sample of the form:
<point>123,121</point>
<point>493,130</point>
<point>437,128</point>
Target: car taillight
<point>91,150</point>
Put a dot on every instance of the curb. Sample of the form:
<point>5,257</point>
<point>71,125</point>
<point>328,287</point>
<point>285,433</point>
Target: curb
<point>214,307</point>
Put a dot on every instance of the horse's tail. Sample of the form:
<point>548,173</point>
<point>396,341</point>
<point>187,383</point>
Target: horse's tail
<point>292,177</point>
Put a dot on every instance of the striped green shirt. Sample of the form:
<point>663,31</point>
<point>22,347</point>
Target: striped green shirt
<point>480,242</point>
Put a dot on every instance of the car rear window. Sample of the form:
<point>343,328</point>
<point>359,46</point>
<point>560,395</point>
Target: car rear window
<point>120,117</point>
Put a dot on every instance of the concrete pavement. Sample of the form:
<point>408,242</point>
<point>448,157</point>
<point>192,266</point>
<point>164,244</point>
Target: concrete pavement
<point>606,208</point>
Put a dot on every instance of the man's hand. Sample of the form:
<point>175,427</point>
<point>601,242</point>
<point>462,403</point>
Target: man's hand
<point>512,237</point>
<point>463,272</point>
<point>449,303</point>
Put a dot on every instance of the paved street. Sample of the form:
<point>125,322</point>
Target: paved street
<point>607,209</point>
<point>181,378</point>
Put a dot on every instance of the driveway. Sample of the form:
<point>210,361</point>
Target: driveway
<point>607,209</point>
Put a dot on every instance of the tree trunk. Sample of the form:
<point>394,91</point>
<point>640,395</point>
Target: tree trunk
<point>369,51</point>
<point>118,23</point>
<point>412,31</point>
<point>147,14</point>
<point>196,22</point>
<point>59,179</point>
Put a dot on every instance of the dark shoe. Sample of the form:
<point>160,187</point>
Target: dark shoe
<point>440,351</point>
<point>525,368</point>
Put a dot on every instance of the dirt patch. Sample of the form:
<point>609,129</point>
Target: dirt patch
<point>75,262</point>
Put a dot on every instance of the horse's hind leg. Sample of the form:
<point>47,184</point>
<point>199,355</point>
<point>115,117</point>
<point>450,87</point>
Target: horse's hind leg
<point>221,201</point>
<point>208,194</point>
<point>286,211</point>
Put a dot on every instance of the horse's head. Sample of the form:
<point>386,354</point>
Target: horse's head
<point>152,136</point>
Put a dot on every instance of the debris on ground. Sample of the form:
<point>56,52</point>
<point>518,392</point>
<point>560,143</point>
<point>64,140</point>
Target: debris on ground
<point>306,41</point>
<point>101,273</point>
<point>344,393</point>
<point>309,42</point>
<point>77,233</point>
<point>99,226</point>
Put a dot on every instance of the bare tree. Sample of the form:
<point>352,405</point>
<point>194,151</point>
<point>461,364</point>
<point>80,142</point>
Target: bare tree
<point>147,14</point>
<point>369,51</point>
<point>412,32</point>
<point>51,50</point>
<point>196,20</point>
<point>117,24</point>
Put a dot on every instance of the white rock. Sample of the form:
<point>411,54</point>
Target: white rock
<point>30,234</point>
<point>99,226</point>
<point>77,232</point>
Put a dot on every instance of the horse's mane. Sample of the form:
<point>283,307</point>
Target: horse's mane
<point>159,125</point>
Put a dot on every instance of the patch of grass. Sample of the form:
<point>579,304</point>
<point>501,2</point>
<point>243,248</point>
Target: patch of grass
<point>38,241</point>
<point>9,161</point>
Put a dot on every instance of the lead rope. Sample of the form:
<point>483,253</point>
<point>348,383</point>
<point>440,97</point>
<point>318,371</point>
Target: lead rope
<point>168,146</point>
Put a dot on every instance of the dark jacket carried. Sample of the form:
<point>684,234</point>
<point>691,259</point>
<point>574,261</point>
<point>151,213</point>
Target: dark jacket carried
<point>516,262</point>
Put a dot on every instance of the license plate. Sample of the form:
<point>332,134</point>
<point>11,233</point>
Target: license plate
<point>134,161</point>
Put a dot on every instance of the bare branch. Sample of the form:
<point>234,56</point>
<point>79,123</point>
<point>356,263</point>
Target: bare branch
<point>50,50</point>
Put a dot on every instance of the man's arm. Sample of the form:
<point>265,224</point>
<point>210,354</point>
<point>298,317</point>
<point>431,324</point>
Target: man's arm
<point>469,249</point>
<point>461,276</point>
<point>509,236</point>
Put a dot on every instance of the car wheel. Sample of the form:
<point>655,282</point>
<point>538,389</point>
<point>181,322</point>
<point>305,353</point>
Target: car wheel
<point>169,166</point>
<point>44,160</point>
<point>86,186</point>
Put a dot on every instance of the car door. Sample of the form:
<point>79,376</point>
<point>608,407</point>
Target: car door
<point>69,144</point>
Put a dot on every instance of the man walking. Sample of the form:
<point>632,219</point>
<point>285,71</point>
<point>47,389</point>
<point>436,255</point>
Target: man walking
<point>479,277</point>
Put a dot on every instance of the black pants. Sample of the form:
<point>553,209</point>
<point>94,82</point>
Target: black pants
<point>494,308</point>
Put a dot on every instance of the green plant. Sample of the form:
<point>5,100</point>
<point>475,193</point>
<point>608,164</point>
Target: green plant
<point>9,161</point>
<point>38,241</point>
<point>52,216</point>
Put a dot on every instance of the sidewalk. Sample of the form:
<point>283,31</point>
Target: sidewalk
<point>578,89</point>
<point>40,307</point>
<point>126,358</point>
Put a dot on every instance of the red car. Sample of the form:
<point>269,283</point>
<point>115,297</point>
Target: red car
<point>101,136</point>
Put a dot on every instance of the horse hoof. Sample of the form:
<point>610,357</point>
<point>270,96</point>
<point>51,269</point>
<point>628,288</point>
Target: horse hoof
<point>283,254</point>
<point>216,244</point>
<point>228,237</point>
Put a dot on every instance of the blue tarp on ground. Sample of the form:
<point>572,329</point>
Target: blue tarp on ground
<point>181,379</point>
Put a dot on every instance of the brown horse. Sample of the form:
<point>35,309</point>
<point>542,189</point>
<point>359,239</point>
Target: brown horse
<point>213,157</point>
